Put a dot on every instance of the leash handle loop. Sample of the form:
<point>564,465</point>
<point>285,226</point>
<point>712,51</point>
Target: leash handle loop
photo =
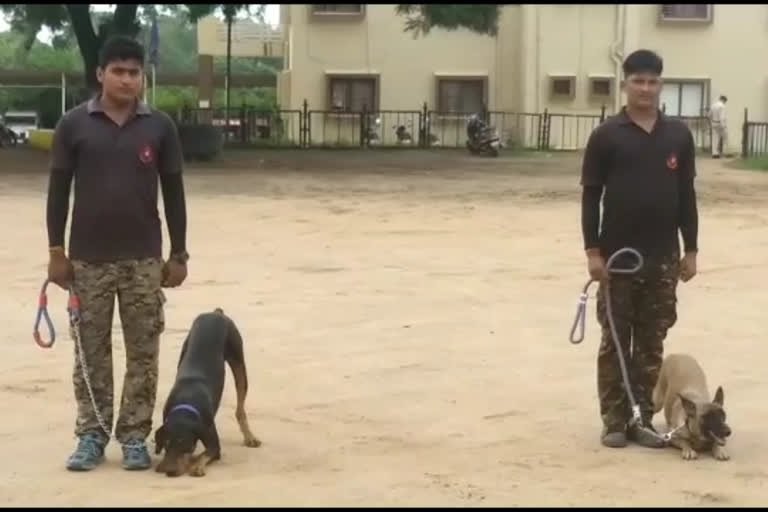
<point>42,313</point>
<point>73,308</point>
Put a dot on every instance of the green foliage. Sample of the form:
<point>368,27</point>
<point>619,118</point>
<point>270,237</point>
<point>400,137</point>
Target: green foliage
<point>420,18</point>
<point>178,54</point>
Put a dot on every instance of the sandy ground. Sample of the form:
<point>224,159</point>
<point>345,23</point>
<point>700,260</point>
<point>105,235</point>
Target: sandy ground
<point>406,319</point>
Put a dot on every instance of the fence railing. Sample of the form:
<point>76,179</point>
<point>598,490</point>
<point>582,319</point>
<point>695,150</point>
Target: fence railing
<point>754,138</point>
<point>423,128</point>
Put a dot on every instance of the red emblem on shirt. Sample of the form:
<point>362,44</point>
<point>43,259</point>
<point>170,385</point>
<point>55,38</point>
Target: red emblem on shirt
<point>146,155</point>
<point>672,162</point>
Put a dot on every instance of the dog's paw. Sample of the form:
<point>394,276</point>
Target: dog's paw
<point>689,454</point>
<point>720,453</point>
<point>197,470</point>
<point>252,442</point>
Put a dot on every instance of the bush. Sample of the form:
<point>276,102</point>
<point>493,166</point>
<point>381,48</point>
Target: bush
<point>200,141</point>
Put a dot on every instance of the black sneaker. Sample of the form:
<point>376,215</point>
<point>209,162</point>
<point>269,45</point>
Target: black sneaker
<point>614,437</point>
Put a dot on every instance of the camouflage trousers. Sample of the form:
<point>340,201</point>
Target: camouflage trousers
<point>136,284</point>
<point>644,307</point>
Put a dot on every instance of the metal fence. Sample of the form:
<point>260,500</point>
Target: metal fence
<point>754,138</point>
<point>248,126</point>
<point>419,128</point>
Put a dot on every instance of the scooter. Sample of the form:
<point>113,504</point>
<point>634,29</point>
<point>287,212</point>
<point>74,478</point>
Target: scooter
<point>482,139</point>
<point>402,134</point>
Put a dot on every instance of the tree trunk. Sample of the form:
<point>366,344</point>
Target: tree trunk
<point>89,42</point>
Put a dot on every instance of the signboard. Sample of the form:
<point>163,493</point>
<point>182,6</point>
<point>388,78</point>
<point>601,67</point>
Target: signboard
<point>249,39</point>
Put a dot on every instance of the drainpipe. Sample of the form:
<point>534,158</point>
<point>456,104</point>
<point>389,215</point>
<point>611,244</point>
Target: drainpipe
<point>538,58</point>
<point>617,52</point>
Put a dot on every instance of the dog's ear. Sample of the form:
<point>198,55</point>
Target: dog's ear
<point>719,397</point>
<point>688,406</point>
<point>160,439</point>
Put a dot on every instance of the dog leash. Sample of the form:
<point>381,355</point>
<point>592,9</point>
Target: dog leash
<point>580,320</point>
<point>42,313</point>
<point>73,308</point>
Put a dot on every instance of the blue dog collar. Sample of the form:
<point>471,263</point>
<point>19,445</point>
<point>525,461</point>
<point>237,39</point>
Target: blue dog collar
<point>185,407</point>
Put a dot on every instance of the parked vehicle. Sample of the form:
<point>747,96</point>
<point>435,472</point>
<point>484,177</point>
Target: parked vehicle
<point>402,133</point>
<point>8,137</point>
<point>482,139</point>
<point>21,123</point>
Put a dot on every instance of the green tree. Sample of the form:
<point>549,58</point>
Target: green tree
<point>91,31</point>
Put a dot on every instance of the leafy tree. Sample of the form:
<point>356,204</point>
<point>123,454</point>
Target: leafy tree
<point>479,18</point>
<point>90,31</point>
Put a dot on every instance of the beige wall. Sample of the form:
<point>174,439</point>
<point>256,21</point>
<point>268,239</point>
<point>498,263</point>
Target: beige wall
<point>731,52</point>
<point>377,44</point>
<point>534,42</point>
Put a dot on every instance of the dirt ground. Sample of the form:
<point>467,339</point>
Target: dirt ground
<point>406,317</point>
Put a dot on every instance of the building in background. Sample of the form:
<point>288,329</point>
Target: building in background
<point>562,58</point>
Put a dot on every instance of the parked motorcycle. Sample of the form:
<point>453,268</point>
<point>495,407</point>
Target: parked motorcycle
<point>482,139</point>
<point>402,134</point>
<point>8,137</point>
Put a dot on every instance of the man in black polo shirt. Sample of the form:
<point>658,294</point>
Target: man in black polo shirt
<point>644,162</point>
<point>115,148</point>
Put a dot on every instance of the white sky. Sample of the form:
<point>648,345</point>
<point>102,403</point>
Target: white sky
<point>272,16</point>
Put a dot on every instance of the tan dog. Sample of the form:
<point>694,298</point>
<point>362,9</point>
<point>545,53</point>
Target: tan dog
<point>697,422</point>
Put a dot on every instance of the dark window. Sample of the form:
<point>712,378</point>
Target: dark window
<point>601,87</point>
<point>462,96</point>
<point>685,11</point>
<point>337,8</point>
<point>562,87</point>
<point>353,94</point>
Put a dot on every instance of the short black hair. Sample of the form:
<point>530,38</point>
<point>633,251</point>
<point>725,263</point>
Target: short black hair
<point>120,48</point>
<point>643,61</point>
<point>723,98</point>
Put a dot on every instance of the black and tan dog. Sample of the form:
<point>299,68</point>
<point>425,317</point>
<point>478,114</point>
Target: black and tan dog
<point>696,421</point>
<point>190,410</point>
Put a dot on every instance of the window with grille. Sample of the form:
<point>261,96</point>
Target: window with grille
<point>339,9</point>
<point>352,94</point>
<point>600,87</point>
<point>460,96</point>
<point>562,86</point>
<point>686,12</point>
<point>684,99</point>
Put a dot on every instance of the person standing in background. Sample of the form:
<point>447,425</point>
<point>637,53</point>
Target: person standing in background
<point>719,123</point>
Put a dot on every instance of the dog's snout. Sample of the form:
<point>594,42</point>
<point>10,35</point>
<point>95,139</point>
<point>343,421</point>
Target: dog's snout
<point>174,472</point>
<point>726,430</point>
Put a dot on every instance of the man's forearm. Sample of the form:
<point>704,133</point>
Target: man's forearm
<point>590,216</point>
<point>175,210</point>
<point>57,207</point>
<point>689,216</point>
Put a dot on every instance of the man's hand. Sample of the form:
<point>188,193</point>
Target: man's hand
<point>688,267</point>
<point>174,273</point>
<point>60,269</point>
<point>596,265</point>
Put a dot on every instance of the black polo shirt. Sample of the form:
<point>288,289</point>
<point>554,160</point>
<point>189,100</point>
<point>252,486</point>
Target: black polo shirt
<point>116,170</point>
<point>643,175</point>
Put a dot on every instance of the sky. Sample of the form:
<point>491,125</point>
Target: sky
<point>272,17</point>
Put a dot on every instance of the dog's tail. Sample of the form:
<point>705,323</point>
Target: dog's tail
<point>219,311</point>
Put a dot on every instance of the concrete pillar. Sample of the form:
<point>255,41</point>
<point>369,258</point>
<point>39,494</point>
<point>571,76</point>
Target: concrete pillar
<point>205,81</point>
